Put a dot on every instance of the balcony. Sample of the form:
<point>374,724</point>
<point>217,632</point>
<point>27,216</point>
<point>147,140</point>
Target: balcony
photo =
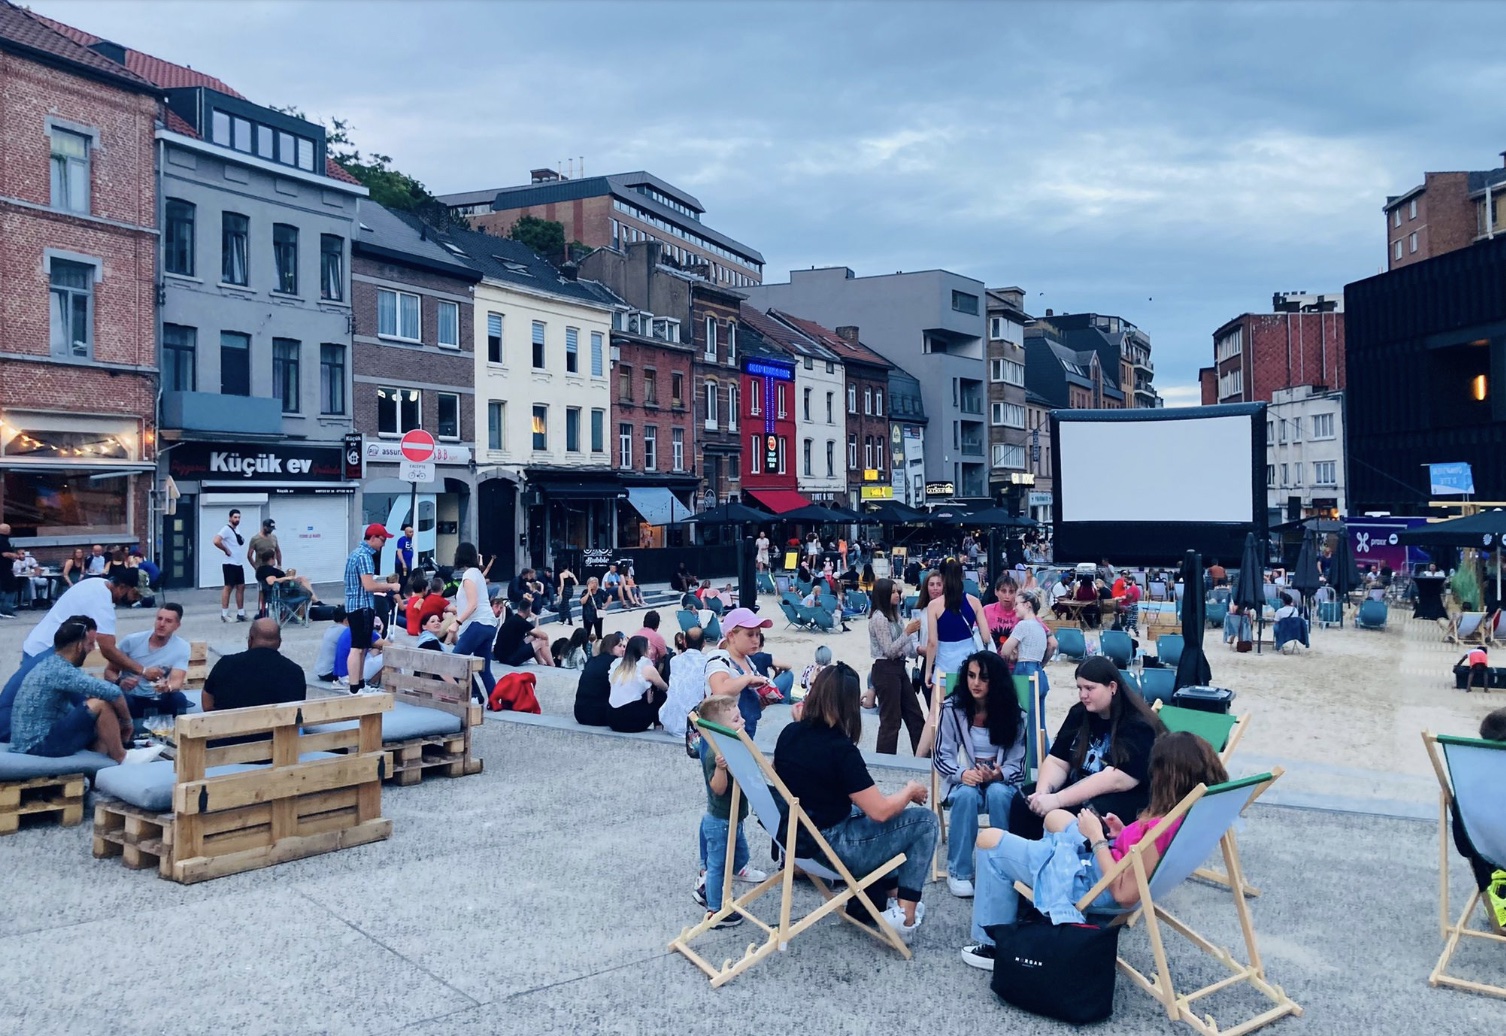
<point>212,412</point>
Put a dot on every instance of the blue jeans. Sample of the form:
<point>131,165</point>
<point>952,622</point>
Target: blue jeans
<point>714,834</point>
<point>1019,859</point>
<point>967,804</point>
<point>8,602</point>
<point>785,681</point>
<point>477,641</point>
<point>863,844</point>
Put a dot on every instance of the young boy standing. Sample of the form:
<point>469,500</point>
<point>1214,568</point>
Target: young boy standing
<point>718,824</point>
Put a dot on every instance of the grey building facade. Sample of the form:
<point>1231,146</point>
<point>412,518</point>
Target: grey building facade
<point>1007,432</point>
<point>932,321</point>
<point>255,333</point>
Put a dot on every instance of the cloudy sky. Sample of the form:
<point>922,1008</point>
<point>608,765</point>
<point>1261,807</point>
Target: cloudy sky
<point>1174,163</point>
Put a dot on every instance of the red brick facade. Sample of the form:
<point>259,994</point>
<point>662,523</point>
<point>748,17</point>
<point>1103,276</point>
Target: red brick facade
<point>724,468</point>
<point>1440,214</point>
<point>1280,350</point>
<point>645,372</point>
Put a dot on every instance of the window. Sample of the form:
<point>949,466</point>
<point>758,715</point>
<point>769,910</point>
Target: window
<point>878,403</point>
<point>650,447</point>
<point>831,366</point>
<point>852,399</point>
<point>540,428</point>
<point>1270,475</point>
<point>807,403</point>
<point>1412,241</point>
<point>650,388</point>
<point>830,398</point>
<point>711,394</point>
<point>1396,216</point>
<point>677,448</point>
<point>711,339</point>
<point>177,238</point>
<point>449,416</point>
<point>285,254</point>
<point>624,446</point>
<point>677,390</point>
<point>494,338</point>
<point>598,431</point>
<point>624,383</point>
<point>398,410</point>
<point>285,373</point>
<point>1412,209</point>
<point>179,358</point>
<point>831,458</point>
<point>72,309</point>
<point>398,315</point>
<point>868,401</point>
<point>810,363</point>
<point>266,143</point>
<point>962,302</point>
<point>731,342</point>
<point>755,398</point>
<point>996,328</point>
<point>496,424</point>
<point>1296,429</point>
<point>779,392</point>
<point>1283,474</point>
<point>572,429</point>
<point>235,364</point>
<point>70,170</point>
<point>538,345</point>
<point>235,231</point>
<point>449,325</point>
<point>572,350</point>
<point>867,451</point>
<point>1005,456</point>
<point>331,379</point>
<point>781,455</point>
<point>731,408</point>
<point>1007,415</point>
<point>852,453</point>
<point>1297,474</point>
<point>805,456</point>
<point>734,467</point>
<point>757,455</point>
<point>1007,371</point>
<point>331,267</point>
<point>1396,249</point>
<point>1322,426</point>
<point>1325,473</point>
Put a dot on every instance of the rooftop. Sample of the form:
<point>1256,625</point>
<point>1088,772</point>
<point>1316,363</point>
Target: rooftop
<point>28,33</point>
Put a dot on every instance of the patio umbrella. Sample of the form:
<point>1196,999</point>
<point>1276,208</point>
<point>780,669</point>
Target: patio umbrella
<point>1305,576</point>
<point>992,518</point>
<point>892,512</point>
<point>1192,670</point>
<point>1249,592</point>
<point>732,514</point>
<point>1344,576</point>
<point>1483,531</point>
<point>821,514</point>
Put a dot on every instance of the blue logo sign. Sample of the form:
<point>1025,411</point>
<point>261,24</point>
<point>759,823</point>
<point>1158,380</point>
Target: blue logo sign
<point>1451,478</point>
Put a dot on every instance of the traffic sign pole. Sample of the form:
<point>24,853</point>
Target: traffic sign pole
<point>418,460</point>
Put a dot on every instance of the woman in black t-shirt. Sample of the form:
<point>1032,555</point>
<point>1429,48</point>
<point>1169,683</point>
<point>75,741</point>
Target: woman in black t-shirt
<point>593,707</point>
<point>1101,753</point>
<point>593,601</point>
<point>819,762</point>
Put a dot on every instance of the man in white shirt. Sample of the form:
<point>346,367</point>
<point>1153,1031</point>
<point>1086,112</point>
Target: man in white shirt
<point>687,683</point>
<point>159,648</point>
<point>231,542</point>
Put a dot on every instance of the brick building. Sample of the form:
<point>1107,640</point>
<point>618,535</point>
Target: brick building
<point>616,211</point>
<point>1447,211</point>
<point>78,247</point>
<point>768,421</point>
<point>1300,343</point>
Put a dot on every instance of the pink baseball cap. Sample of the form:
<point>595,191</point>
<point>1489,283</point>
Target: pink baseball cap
<point>743,618</point>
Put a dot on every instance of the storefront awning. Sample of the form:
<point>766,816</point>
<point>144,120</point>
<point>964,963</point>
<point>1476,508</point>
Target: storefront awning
<point>657,505</point>
<point>779,500</point>
<point>581,490</point>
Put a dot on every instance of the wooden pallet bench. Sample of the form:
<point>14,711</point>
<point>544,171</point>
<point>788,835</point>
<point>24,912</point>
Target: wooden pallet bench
<point>418,679</point>
<point>282,794</point>
<point>61,796</point>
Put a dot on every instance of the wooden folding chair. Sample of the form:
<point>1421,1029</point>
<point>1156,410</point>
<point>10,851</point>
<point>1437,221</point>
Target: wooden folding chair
<point>1223,732</point>
<point>752,774</point>
<point>1207,816</point>
<point>1471,773</point>
<point>1027,691</point>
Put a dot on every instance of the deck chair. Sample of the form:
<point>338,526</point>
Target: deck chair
<point>818,617</point>
<point>766,584</point>
<point>1215,613</point>
<point>1223,732</point>
<point>1169,648</point>
<point>1116,644</point>
<point>1207,815</point>
<point>1158,685</point>
<point>288,602</point>
<point>793,619</point>
<point>1071,644</point>
<point>687,619</point>
<point>1027,690</point>
<point>752,774</point>
<point>1372,616</point>
<point>1468,628</point>
<point>1470,773</point>
<point>791,598</point>
<point>1330,613</point>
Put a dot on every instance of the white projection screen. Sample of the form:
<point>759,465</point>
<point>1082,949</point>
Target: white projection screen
<point>1144,486</point>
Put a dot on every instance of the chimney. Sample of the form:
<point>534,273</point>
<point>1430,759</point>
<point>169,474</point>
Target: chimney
<point>569,271</point>
<point>848,333</point>
<point>1050,312</point>
<point>105,49</point>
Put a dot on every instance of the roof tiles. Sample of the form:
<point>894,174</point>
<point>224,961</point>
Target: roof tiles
<point>24,29</point>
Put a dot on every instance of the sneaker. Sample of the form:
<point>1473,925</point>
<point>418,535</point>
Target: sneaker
<point>896,918</point>
<point>961,887</point>
<point>224,616</point>
<point>699,892</point>
<point>143,755</point>
<point>752,875</point>
<point>1495,901</point>
<point>240,616</point>
<point>7,615</point>
<point>980,956</point>
<point>732,920</point>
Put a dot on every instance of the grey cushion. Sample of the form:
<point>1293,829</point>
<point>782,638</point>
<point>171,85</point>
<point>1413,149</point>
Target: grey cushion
<point>150,785</point>
<point>403,723</point>
<point>18,766</point>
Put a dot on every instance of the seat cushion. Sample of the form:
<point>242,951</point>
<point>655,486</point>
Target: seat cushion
<point>403,723</point>
<point>150,785</point>
<point>18,766</point>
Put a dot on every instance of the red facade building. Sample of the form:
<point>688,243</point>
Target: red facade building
<point>768,421</point>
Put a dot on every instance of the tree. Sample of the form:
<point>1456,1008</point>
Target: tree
<point>544,236</point>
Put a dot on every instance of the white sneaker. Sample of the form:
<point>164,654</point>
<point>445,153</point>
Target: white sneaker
<point>961,887</point>
<point>752,875</point>
<point>143,755</point>
<point>896,918</point>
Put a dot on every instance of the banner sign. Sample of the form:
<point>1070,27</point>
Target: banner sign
<point>1446,479</point>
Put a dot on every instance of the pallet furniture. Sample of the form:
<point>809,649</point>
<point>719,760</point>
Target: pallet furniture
<point>45,787</point>
<point>1470,772</point>
<point>277,792</point>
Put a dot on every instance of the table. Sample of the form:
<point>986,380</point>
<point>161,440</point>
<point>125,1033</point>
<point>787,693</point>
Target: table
<point>1429,596</point>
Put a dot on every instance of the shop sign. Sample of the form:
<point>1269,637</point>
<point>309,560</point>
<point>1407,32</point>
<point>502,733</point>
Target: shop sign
<point>940,490</point>
<point>390,451</point>
<point>255,462</point>
<point>876,492</point>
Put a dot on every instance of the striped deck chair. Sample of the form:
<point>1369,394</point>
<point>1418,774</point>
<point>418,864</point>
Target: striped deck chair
<point>1471,773</point>
<point>752,774</point>
<point>1223,732</point>
<point>1207,815</point>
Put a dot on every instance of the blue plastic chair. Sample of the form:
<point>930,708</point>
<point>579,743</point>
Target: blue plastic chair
<point>1129,678</point>
<point>1331,613</point>
<point>1371,616</point>
<point>1169,648</point>
<point>1158,684</point>
<point>1070,643</point>
<point>1117,645</point>
<point>1215,613</point>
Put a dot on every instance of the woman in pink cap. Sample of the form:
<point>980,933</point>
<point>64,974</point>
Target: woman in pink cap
<point>730,670</point>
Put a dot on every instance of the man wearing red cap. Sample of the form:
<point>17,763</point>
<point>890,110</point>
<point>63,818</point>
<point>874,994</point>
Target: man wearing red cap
<point>360,605</point>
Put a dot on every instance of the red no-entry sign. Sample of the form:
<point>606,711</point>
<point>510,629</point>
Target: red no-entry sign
<point>418,446</point>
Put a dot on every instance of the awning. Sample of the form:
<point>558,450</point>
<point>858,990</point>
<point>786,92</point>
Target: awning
<point>580,490</point>
<point>779,500</point>
<point>657,505</point>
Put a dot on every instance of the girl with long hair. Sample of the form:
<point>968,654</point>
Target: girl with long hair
<point>951,622</point>
<point>891,641</point>
<point>1030,642</point>
<point>637,689</point>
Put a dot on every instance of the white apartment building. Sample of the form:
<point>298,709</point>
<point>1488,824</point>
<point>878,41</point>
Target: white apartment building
<point>1305,456</point>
